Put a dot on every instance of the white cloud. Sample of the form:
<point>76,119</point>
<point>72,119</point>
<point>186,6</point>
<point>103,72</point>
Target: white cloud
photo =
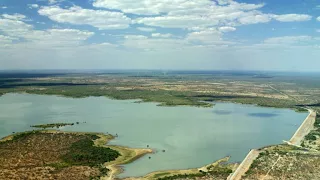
<point>292,17</point>
<point>177,21</point>
<point>200,14</point>
<point>288,40</point>
<point>77,15</point>
<point>3,7</point>
<point>203,43</point>
<point>254,18</point>
<point>318,30</point>
<point>159,35</point>
<point>55,1</point>
<point>227,29</point>
<point>318,18</point>
<point>153,44</point>
<point>57,37</point>
<point>6,39</point>
<point>15,29</point>
<point>146,29</point>
<point>150,7</point>
<point>33,6</point>
<point>224,2</point>
<point>15,16</point>
<point>209,36</point>
<point>135,37</point>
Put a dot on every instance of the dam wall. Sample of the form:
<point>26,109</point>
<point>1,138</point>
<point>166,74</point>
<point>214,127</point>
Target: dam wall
<point>304,129</point>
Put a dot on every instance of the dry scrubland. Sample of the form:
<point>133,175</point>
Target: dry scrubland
<point>275,162</point>
<point>39,156</point>
<point>61,155</point>
<point>282,162</point>
<point>174,89</point>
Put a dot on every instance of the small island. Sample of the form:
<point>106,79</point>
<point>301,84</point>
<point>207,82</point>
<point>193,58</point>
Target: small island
<point>53,125</point>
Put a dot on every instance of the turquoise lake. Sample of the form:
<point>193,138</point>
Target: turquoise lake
<point>191,137</point>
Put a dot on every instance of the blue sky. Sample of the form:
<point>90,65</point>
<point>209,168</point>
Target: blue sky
<point>160,34</point>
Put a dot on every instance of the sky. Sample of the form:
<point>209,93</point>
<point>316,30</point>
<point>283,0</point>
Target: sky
<point>279,35</point>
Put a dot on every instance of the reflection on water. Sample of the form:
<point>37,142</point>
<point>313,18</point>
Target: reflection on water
<point>191,137</point>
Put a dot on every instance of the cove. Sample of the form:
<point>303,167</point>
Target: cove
<point>191,137</point>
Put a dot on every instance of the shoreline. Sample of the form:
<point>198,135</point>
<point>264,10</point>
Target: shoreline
<point>128,154</point>
<point>252,155</point>
<point>164,173</point>
<point>131,154</point>
<point>210,104</point>
<point>304,129</point>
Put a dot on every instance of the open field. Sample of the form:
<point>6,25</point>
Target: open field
<point>173,89</point>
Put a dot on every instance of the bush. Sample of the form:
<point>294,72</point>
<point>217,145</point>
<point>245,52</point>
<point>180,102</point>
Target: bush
<point>311,137</point>
<point>85,153</point>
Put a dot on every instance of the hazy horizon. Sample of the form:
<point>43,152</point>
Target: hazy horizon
<point>183,34</point>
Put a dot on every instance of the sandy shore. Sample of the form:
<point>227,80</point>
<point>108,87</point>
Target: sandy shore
<point>160,174</point>
<point>128,155</point>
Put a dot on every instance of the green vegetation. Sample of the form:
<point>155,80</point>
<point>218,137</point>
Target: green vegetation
<point>260,101</point>
<point>165,98</point>
<point>72,155</point>
<point>310,137</point>
<point>160,174</point>
<point>23,135</point>
<point>54,125</point>
<point>317,122</point>
<point>314,134</point>
<point>172,90</point>
<point>292,163</point>
<point>300,109</point>
<point>182,176</point>
<point>213,171</point>
<point>83,152</point>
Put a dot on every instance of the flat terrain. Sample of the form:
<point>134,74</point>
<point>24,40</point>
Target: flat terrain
<point>40,156</point>
<point>34,157</point>
<point>175,88</point>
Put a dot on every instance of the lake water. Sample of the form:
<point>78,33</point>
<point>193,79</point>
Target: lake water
<point>191,137</point>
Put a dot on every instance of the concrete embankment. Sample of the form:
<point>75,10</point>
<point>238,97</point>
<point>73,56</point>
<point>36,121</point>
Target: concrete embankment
<point>245,165</point>
<point>304,129</point>
<point>296,140</point>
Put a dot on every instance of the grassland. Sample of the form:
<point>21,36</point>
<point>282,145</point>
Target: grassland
<point>174,89</point>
